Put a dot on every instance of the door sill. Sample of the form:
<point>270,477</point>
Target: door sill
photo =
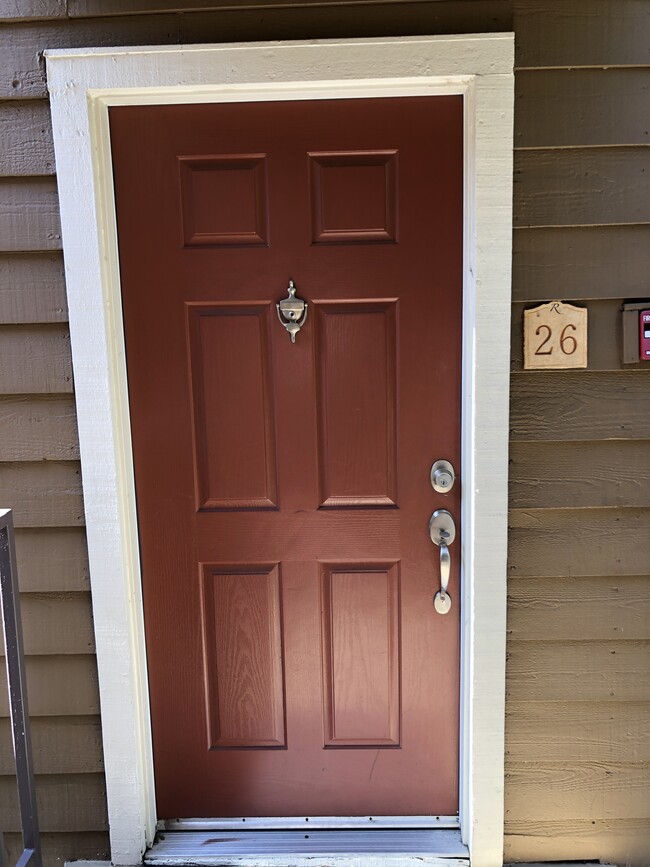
<point>315,823</point>
<point>310,848</point>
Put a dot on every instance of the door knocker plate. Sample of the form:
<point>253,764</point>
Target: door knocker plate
<point>292,312</point>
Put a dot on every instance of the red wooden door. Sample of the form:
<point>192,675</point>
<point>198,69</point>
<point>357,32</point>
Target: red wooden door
<point>296,663</point>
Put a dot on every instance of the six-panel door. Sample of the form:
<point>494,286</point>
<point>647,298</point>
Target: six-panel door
<point>296,663</point>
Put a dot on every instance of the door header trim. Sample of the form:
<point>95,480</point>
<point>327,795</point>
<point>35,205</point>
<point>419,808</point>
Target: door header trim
<point>83,84</point>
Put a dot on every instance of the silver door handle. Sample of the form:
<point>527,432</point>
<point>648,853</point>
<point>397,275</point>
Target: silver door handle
<point>442,530</point>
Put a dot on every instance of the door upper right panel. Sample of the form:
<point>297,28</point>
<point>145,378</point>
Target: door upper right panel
<point>297,665</point>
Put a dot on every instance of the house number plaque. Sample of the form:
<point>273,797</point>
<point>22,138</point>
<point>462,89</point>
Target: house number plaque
<point>555,337</point>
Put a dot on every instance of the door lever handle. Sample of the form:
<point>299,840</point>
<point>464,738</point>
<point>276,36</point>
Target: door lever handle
<point>442,530</point>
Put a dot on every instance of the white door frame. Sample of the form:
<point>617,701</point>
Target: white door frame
<point>83,83</point>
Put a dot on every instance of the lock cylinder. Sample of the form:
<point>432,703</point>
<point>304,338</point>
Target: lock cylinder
<point>442,477</point>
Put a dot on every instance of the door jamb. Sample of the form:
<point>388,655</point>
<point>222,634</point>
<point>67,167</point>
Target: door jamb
<point>83,83</point>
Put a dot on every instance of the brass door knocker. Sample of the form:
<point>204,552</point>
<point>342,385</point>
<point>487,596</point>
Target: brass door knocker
<point>292,312</point>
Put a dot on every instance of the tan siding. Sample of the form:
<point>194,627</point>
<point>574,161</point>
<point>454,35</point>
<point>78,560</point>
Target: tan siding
<point>559,108</point>
<point>566,670</point>
<point>35,359</point>
<point>582,790</point>
<point>55,623</point>
<point>60,745</point>
<point>58,848</point>
<point>616,608</point>
<point>22,72</point>
<point>10,10</point>
<point>587,186</point>
<point>578,710</point>
<point>579,405</point>
<point>85,8</point>
<point>611,841</point>
<point>52,559</point>
<point>29,215</point>
<point>26,146</point>
<point>548,543</point>
<point>32,288</point>
<point>570,33</point>
<point>38,428</point>
<point>44,494</point>
<point>58,686</point>
<point>74,802</point>
<point>579,475</point>
<point>578,731</point>
<point>580,262</point>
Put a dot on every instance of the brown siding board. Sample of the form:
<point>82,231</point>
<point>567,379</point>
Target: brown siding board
<point>542,791</point>
<point>590,670</point>
<point>32,288</point>
<point>57,624</point>
<point>17,10</point>
<point>581,263</point>
<point>578,731</point>
<point>43,494</point>
<point>332,21</point>
<point>578,542</point>
<point>23,72</point>
<point>581,33</point>
<point>60,745</point>
<point>578,107</point>
<point>52,559</point>
<point>74,802</point>
<point>59,848</point>
<point>26,146</point>
<point>616,841</point>
<point>579,405</point>
<point>35,359</point>
<point>93,8</point>
<point>605,336</point>
<point>582,186</point>
<point>593,609</point>
<point>57,686</point>
<point>38,428</point>
<point>579,475</point>
<point>29,215</point>
<point>21,46</point>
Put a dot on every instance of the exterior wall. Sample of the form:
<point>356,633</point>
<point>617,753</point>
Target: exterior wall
<point>578,715</point>
<point>578,778</point>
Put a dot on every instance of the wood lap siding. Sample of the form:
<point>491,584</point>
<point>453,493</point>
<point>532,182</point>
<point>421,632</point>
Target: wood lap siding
<point>40,479</point>
<point>578,706</point>
<point>578,702</point>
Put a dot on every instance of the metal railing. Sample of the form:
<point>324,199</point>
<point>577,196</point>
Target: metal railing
<point>17,687</point>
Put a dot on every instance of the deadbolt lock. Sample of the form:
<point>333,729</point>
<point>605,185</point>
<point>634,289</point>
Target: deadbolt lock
<point>442,477</point>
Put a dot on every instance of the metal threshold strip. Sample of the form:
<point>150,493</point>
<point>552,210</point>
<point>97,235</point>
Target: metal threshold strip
<point>310,842</point>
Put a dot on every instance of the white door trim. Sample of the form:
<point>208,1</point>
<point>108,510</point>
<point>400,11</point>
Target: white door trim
<point>83,83</point>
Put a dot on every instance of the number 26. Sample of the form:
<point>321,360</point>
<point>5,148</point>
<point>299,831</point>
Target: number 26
<point>568,343</point>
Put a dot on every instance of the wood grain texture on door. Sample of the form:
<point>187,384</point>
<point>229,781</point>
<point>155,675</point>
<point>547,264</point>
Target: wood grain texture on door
<point>296,663</point>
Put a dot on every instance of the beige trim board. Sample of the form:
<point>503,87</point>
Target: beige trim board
<point>83,83</point>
